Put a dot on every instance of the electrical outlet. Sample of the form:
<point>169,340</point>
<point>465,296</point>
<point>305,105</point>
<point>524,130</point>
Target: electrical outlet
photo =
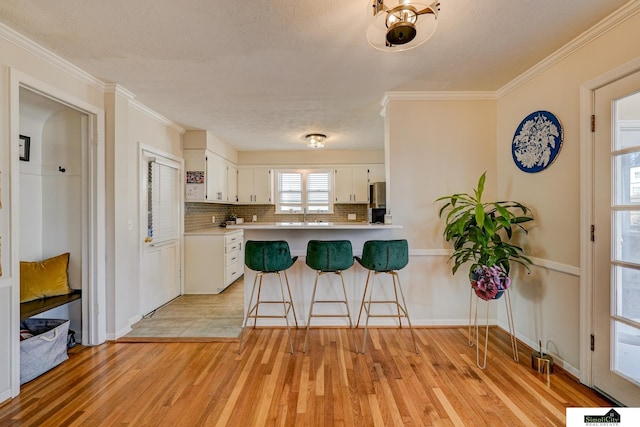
<point>255,218</point>
<point>351,217</point>
<point>213,219</point>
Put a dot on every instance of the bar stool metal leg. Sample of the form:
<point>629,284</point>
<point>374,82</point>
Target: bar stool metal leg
<point>293,308</point>
<point>364,294</point>
<point>404,309</point>
<point>269,257</point>
<point>314,301</point>
<point>329,257</point>
<point>286,306</point>
<point>245,323</point>
<point>384,257</point>
<point>346,303</point>
<point>367,309</point>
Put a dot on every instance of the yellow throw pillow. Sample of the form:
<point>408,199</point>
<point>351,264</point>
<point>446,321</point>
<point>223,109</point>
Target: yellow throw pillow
<point>43,279</point>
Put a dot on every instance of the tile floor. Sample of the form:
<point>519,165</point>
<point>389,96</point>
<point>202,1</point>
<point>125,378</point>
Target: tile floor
<point>195,316</point>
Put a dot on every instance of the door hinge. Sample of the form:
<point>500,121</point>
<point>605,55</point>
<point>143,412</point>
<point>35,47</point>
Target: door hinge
<point>593,123</point>
<point>593,233</point>
<point>593,343</point>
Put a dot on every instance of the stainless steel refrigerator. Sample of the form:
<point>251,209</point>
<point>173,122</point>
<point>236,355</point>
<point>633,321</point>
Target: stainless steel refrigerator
<point>377,195</point>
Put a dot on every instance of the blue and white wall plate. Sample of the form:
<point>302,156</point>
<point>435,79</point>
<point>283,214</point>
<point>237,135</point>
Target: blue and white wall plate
<point>537,141</point>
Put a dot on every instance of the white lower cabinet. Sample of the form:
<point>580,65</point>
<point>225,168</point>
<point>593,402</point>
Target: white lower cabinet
<point>212,260</point>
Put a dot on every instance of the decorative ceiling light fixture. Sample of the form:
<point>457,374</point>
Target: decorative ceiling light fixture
<point>399,25</point>
<point>315,140</point>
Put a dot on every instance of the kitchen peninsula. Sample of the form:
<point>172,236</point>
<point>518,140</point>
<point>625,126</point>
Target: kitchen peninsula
<point>301,277</point>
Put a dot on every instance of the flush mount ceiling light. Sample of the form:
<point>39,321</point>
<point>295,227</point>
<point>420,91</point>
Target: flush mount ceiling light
<point>399,25</point>
<point>315,140</point>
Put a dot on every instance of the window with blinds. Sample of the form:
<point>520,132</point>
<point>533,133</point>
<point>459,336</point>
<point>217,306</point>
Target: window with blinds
<point>298,190</point>
<point>163,198</point>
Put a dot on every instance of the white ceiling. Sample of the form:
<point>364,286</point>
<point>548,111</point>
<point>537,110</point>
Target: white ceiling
<point>260,74</point>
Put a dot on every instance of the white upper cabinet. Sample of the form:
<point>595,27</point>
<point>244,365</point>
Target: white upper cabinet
<point>207,177</point>
<point>195,166</point>
<point>255,186</point>
<point>217,179</point>
<point>351,184</point>
<point>232,183</point>
<point>377,173</point>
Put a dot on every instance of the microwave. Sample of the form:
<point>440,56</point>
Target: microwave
<point>376,215</point>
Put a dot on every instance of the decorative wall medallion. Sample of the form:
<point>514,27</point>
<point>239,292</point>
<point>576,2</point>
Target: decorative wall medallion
<point>537,141</point>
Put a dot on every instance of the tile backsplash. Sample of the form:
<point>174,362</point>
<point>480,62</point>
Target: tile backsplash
<point>199,215</point>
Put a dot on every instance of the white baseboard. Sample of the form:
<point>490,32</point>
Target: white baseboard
<point>557,360</point>
<point>124,331</point>
<point>5,396</point>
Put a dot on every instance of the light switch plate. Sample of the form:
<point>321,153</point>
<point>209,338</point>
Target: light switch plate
<point>213,219</point>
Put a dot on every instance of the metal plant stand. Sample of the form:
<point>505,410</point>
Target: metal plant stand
<point>474,335</point>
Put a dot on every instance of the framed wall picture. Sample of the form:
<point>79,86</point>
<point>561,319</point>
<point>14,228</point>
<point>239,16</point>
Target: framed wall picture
<point>537,141</point>
<point>24,148</point>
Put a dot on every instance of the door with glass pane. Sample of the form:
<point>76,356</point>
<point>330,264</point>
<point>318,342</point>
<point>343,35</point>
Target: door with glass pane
<point>616,354</point>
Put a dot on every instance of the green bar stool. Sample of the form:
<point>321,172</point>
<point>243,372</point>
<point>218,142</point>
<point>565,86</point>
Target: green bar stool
<point>329,257</point>
<point>269,257</point>
<point>384,257</point>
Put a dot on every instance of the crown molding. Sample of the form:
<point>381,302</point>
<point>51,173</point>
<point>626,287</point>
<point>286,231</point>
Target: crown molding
<point>156,116</point>
<point>118,90</point>
<point>614,19</point>
<point>46,55</point>
<point>435,96</point>
<point>438,96</point>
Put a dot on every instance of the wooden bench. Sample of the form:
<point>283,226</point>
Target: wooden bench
<point>31,308</point>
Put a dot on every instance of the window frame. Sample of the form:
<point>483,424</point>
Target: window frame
<point>305,203</point>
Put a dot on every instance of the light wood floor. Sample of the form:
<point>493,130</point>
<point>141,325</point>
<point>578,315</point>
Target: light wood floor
<point>209,384</point>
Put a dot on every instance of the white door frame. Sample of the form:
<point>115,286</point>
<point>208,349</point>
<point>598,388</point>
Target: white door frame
<point>587,109</point>
<point>142,209</point>
<point>94,226</point>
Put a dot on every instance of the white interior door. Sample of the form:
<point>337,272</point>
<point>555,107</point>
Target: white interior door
<point>616,353</point>
<point>160,229</point>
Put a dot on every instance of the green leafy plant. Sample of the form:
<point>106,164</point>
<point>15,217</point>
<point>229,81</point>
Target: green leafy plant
<point>480,231</point>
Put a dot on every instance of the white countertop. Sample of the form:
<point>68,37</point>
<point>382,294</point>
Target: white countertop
<point>211,231</point>
<point>311,225</point>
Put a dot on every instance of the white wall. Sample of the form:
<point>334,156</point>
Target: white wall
<point>134,124</point>
<point>8,298</point>
<point>436,148</point>
<point>546,303</point>
<point>129,125</point>
<point>31,195</point>
<point>62,191</point>
<point>17,57</point>
<point>50,200</point>
<point>307,156</point>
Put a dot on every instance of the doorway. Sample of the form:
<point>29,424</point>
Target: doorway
<point>51,198</point>
<point>616,235</point>
<point>93,316</point>
<point>160,226</point>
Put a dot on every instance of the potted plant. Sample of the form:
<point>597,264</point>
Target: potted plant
<point>480,232</point>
